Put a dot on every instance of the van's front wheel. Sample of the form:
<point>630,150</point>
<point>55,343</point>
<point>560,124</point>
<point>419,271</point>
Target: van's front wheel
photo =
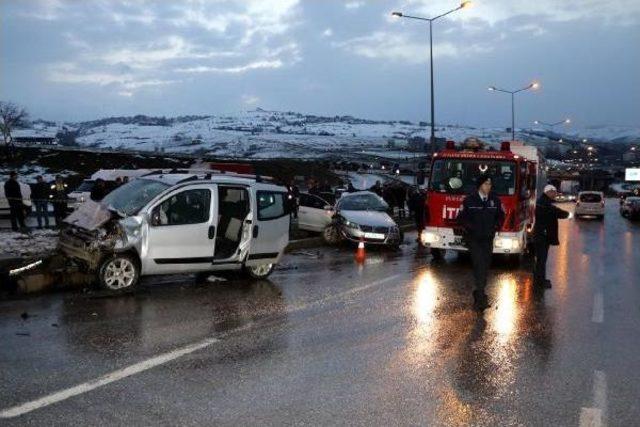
<point>261,271</point>
<point>119,272</point>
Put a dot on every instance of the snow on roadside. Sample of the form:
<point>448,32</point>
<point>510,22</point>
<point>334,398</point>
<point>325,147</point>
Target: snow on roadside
<point>34,243</point>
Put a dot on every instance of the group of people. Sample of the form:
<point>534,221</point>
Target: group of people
<point>482,215</point>
<point>42,194</point>
<point>395,195</point>
<point>101,187</point>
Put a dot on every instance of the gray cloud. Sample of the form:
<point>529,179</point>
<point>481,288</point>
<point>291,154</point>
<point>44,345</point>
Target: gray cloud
<point>67,59</point>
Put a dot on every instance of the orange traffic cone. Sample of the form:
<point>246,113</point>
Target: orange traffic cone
<point>360,253</point>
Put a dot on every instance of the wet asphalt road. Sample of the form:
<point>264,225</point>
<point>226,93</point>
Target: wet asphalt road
<point>325,342</point>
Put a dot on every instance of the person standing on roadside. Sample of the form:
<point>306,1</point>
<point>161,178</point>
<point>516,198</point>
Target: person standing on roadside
<point>40,197</point>
<point>481,215</point>
<point>294,198</point>
<point>59,197</point>
<point>545,233</point>
<point>99,190</point>
<point>14,196</point>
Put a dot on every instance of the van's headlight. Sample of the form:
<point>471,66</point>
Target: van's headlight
<point>429,237</point>
<point>507,243</point>
<point>131,227</point>
<point>82,199</point>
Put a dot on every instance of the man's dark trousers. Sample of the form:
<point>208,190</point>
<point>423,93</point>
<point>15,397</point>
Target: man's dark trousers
<point>16,212</point>
<point>481,250</point>
<point>540,268</point>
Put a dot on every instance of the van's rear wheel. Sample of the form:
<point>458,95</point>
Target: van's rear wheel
<point>119,272</point>
<point>261,271</point>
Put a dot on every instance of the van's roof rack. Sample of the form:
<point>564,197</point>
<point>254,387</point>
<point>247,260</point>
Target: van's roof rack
<point>210,173</point>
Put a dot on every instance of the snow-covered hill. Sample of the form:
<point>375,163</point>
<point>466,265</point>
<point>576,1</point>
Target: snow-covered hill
<point>274,134</point>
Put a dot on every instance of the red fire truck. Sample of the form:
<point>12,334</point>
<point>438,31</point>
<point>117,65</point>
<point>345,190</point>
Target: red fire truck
<point>518,174</point>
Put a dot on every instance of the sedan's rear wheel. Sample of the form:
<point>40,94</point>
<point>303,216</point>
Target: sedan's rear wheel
<point>119,272</point>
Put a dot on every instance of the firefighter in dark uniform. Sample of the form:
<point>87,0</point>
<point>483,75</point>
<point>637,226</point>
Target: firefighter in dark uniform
<point>545,233</point>
<point>481,215</point>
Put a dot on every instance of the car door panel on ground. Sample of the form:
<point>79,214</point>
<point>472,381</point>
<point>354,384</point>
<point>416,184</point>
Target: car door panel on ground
<point>182,231</point>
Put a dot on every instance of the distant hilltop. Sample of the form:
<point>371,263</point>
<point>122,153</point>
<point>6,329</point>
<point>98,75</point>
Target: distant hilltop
<point>263,133</point>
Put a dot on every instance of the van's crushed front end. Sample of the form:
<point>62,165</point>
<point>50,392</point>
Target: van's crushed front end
<point>93,231</point>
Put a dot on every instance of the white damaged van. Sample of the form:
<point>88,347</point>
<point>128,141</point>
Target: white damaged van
<point>180,222</point>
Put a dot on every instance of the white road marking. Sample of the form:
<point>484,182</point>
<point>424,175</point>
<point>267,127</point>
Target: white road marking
<point>600,391</point>
<point>590,417</point>
<point>598,308</point>
<point>128,371</point>
<point>595,416</point>
<point>105,379</point>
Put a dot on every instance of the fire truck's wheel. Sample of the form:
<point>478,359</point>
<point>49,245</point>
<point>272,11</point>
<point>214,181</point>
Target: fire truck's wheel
<point>120,272</point>
<point>437,254</point>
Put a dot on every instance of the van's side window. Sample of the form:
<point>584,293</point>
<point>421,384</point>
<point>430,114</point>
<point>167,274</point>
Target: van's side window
<point>187,207</point>
<point>271,205</point>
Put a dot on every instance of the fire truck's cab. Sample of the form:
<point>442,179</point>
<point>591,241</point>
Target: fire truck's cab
<point>518,174</point>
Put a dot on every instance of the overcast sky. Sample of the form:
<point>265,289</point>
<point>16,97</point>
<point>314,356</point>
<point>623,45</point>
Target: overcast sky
<point>77,60</point>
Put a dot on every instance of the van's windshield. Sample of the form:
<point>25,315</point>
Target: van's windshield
<point>86,186</point>
<point>130,198</point>
<point>458,176</point>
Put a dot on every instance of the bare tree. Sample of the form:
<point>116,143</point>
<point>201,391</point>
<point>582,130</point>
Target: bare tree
<point>11,115</point>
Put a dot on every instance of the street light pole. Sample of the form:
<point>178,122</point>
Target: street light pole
<point>513,117</point>
<point>463,5</point>
<point>433,114</point>
<point>534,85</point>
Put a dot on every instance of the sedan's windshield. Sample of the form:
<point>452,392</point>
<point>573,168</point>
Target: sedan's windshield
<point>458,176</point>
<point>362,202</point>
<point>130,198</point>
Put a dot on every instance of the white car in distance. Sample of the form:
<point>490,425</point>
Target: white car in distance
<point>590,203</point>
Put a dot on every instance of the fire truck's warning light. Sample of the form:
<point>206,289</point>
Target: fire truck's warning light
<point>451,145</point>
<point>505,146</point>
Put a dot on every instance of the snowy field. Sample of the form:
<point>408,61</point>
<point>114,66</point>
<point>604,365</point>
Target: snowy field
<point>36,242</point>
<point>263,134</point>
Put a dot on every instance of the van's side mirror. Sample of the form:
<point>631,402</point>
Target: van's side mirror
<point>155,217</point>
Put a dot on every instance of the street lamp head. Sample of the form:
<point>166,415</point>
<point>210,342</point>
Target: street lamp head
<point>534,85</point>
<point>536,122</point>
<point>567,121</point>
<point>466,4</point>
<point>396,14</point>
<point>491,88</point>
